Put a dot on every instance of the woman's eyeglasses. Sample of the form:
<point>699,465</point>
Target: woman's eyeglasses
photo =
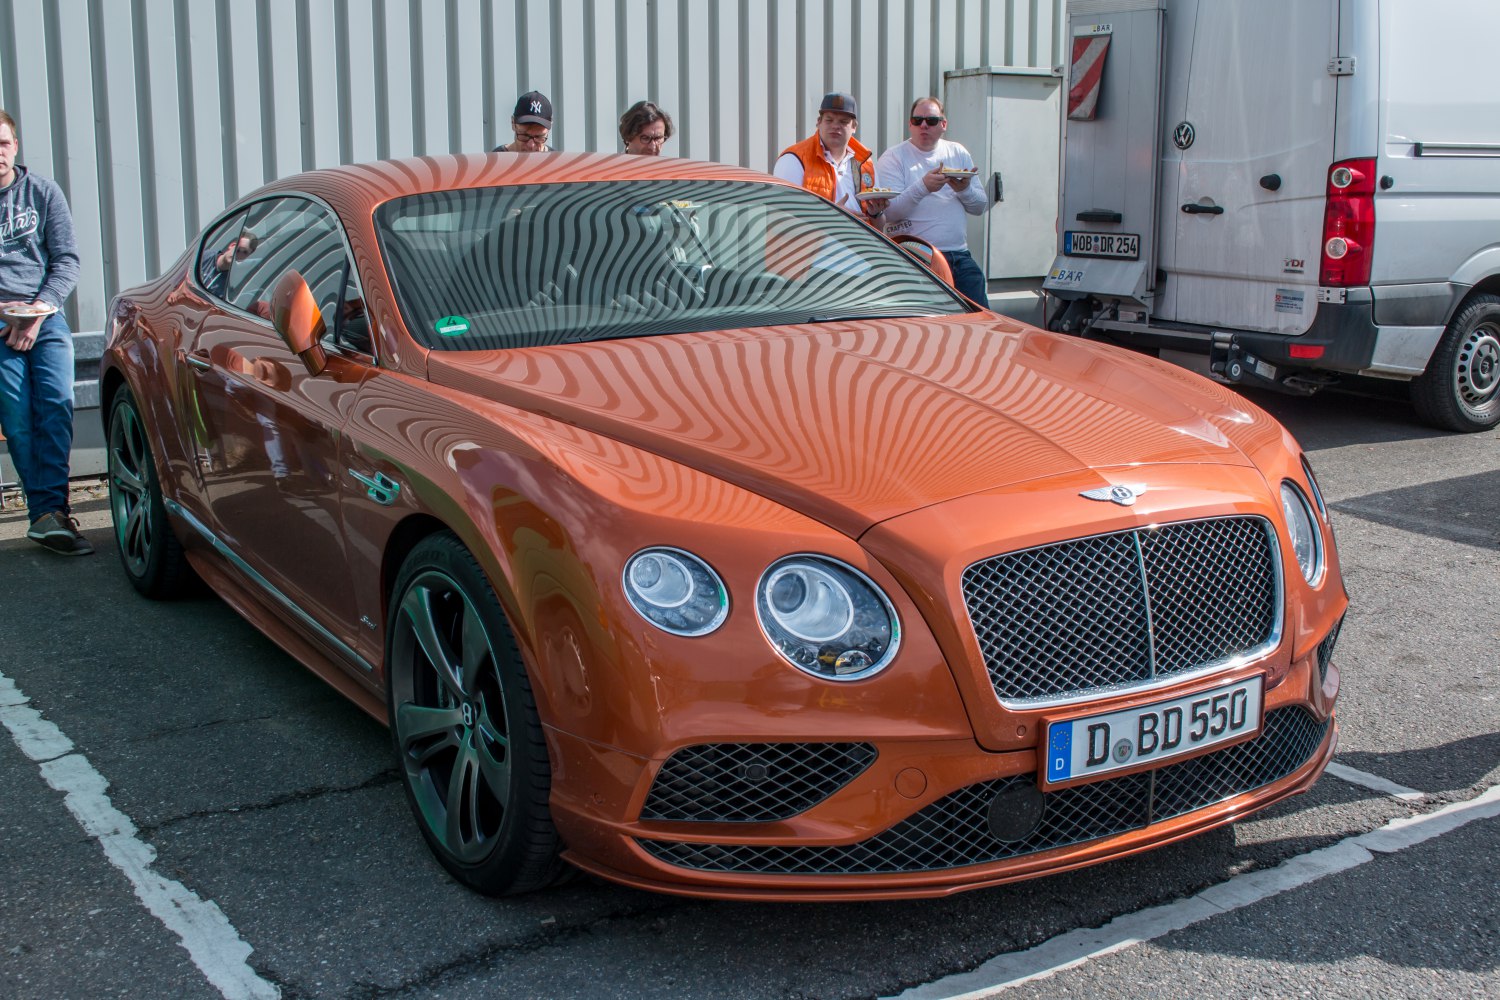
<point>927,119</point>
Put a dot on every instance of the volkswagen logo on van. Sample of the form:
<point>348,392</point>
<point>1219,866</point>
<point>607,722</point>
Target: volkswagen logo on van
<point>1183,135</point>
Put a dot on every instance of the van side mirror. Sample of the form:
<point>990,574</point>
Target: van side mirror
<point>295,315</point>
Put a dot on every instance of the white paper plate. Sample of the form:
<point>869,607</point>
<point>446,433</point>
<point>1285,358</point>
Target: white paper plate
<point>876,195</point>
<point>29,312</point>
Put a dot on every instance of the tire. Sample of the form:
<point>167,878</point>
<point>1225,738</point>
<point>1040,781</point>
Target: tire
<point>464,725</point>
<point>1460,390</point>
<point>149,550</point>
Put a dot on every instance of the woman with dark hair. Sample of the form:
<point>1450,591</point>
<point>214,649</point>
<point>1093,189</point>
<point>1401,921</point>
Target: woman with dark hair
<point>644,128</point>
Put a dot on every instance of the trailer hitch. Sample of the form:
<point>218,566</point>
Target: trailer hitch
<point>1228,361</point>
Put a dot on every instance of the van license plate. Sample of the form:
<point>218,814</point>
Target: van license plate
<point>1123,246</point>
<point>1164,731</point>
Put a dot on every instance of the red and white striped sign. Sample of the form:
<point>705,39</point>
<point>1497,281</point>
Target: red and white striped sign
<point>1086,72</point>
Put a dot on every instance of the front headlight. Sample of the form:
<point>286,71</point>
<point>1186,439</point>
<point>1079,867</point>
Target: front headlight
<point>827,618</point>
<point>1307,543</point>
<point>675,591</point>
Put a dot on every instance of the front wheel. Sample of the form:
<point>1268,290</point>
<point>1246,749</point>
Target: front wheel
<point>1460,390</point>
<point>465,725</point>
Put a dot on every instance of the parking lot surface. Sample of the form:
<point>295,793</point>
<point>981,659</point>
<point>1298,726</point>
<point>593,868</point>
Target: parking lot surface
<point>276,855</point>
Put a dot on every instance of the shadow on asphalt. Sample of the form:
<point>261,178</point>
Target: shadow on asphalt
<point>1464,509</point>
<point>1452,767</point>
<point>1337,419</point>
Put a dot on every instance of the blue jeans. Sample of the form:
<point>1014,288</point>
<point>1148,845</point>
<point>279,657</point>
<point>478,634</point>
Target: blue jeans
<point>967,277</point>
<point>36,414</point>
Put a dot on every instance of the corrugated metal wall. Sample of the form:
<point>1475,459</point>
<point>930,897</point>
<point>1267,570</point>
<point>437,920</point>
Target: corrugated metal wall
<point>153,114</point>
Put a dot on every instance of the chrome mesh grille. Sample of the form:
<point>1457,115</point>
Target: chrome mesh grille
<point>752,782</point>
<point>1117,609</point>
<point>954,831</point>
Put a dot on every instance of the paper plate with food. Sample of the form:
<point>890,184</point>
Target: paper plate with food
<point>28,311</point>
<point>958,172</point>
<point>876,194</point>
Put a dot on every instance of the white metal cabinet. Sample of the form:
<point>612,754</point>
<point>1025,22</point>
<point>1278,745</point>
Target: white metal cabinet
<point>1008,117</point>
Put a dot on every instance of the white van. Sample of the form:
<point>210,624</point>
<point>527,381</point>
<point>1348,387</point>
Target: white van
<point>1303,190</point>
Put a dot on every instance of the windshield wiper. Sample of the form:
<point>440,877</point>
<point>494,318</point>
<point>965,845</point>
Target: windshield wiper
<point>846,317</point>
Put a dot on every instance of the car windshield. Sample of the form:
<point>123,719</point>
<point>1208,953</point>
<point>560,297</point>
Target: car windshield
<point>525,266</point>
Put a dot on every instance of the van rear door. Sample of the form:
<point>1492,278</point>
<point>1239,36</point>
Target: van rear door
<point>1107,230</point>
<point>1247,140</point>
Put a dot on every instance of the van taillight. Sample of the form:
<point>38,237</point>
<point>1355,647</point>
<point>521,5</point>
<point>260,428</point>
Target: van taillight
<point>1348,224</point>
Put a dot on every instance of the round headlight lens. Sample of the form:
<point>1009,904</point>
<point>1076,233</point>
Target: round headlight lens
<point>1306,542</point>
<point>809,602</point>
<point>675,591</point>
<point>827,618</point>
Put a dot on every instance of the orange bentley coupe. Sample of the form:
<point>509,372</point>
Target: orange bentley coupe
<point>687,531</point>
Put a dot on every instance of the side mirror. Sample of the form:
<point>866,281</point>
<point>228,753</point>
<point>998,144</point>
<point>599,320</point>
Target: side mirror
<point>295,315</point>
<point>929,255</point>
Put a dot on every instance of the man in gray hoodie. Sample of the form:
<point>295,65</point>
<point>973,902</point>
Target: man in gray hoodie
<point>38,269</point>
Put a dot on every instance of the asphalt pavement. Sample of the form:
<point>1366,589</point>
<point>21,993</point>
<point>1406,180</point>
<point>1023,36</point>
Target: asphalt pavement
<point>266,821</point>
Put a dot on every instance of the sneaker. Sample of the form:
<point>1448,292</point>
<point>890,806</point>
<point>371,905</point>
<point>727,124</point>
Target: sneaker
<point>59,532</point>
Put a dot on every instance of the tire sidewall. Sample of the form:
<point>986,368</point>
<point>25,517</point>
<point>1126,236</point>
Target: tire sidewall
<point>498,873</point>
<point>152,580</point>
<point>1434,392</point>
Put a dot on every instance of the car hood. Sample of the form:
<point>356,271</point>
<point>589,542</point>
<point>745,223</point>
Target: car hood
<point>853,423</point>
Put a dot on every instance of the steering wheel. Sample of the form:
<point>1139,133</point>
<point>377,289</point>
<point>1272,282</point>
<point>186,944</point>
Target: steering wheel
<point>929,255</point>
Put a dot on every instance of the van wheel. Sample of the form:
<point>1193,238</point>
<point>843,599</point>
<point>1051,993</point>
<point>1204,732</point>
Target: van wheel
<point>1460,390</point>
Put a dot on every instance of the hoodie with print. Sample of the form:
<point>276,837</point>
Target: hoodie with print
<point>38,251</point>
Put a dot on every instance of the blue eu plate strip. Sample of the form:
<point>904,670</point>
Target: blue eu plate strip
<point>1059,751</point>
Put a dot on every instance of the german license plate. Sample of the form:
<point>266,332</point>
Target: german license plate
<point>1123,246</point>
<point>1098,744</point>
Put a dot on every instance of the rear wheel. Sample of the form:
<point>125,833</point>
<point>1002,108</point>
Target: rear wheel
<point>150,553</point>
<point>465,725</point>
<point>1460,390</point>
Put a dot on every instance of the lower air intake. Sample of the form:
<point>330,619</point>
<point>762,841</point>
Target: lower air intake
<point>954,831</point>
<point>752,782</point>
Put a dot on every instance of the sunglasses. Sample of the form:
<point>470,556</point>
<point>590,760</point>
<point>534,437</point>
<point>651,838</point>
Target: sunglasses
<point>927,119</point>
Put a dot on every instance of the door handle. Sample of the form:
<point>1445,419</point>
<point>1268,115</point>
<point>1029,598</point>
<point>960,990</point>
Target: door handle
<point>379,487</point>
<point>1196,209</point>
<point>199,361</point>
<point>997,188</point>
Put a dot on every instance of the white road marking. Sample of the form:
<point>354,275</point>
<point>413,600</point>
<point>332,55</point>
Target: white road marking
<point>209,938</point>
<point>1067,951</point>
<point>1375,783</point>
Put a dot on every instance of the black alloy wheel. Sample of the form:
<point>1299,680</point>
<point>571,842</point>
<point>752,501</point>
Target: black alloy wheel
<point>465,725</point>
<point>149,551</point>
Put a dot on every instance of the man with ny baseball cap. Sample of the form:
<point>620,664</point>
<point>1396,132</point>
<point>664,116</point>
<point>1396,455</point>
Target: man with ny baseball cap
<point>532,124</point>
<point>831,162</point>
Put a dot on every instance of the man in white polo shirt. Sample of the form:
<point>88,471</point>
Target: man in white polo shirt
<point>930,205</point>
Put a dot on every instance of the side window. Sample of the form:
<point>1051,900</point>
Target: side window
<point>293,234</point>
<point>220,248</point>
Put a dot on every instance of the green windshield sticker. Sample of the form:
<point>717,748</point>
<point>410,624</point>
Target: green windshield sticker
<point>452,326</point>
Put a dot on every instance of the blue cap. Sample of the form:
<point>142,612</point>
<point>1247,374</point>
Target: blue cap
<point>840,102</point>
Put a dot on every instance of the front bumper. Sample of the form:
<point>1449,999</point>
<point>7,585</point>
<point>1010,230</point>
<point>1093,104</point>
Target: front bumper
<point>917,820</point>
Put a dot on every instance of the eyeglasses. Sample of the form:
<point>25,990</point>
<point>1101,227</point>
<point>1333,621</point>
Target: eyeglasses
<point>651,140</point>
<point>530,137</point>
<point>927,119</point>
